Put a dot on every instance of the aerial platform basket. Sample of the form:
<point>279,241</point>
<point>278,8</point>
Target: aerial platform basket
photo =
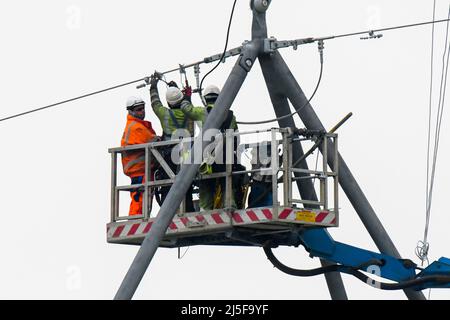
<point>279,223</point>
<point>218,227</point>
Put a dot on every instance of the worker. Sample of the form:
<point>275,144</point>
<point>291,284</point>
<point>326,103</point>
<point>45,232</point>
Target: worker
<point>137,131</point>
<point>208,188</point>
<point>172,120</point>
<point>261,190</point>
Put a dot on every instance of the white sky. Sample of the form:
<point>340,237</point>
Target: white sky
<point>55,168</point>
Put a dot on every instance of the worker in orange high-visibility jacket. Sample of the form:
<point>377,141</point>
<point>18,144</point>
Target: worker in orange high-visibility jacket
<point>137,131</point>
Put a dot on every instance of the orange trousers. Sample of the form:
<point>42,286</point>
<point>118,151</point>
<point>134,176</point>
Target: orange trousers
<point>136,197</point>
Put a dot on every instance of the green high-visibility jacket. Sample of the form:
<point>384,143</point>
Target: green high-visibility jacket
<point>171,119</point>
<point>201,113</point>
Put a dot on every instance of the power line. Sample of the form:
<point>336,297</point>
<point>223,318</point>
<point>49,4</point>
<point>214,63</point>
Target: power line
<point>306,41</point>
<point>320,40</point>
<point>384,29</point>
<point>229,25</point>
<point>291,114</point>
<point>70,100</point>
<point>224,50</point>
<point>299,109</point>
<point>430,106</point>
<point>124,84</point>
<point>442,92</point>
<point>423,246</point>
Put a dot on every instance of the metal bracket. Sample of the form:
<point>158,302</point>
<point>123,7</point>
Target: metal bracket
<point>246,62</point>
<point>182,69</point>
<point>229,53</point>
<point>260,6</point>
<point>271,44</point>
<point>372,35</point>
<point>196,224</point>
<point>197,78</point>
<point>163,163</point>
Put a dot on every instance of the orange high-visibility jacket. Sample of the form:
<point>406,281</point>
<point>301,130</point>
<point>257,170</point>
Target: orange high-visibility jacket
<point>136,132</point>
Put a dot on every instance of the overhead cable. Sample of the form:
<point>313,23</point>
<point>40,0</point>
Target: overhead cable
<point>439,116</point>
<point>232,52</point>
<point>70,100</point>
<point>430,103</point>
<point>224,50</point>
<point>423,246</point>
<point>385,29</point>
<point>299,109</point>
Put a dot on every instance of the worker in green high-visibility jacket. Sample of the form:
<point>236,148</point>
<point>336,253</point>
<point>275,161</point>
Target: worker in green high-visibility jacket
<point>208,188</point>
<point>172,119</point>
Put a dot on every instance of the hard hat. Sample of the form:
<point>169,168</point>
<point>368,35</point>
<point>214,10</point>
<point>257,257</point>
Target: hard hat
<point>174,95</point>
<point>211,89</point>
<point>133,102</point>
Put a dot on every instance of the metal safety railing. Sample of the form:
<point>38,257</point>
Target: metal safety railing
<point>281,171</point>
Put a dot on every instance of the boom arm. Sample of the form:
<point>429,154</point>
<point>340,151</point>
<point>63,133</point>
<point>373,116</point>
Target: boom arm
<point>353,260</point>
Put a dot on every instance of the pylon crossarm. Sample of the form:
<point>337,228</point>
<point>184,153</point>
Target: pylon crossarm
<point>196,65</point>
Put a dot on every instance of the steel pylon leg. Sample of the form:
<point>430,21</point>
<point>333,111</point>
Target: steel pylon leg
<point>346,180</point>
<point>305,186</point>
<point>281,106</point>
<point>186,175</point>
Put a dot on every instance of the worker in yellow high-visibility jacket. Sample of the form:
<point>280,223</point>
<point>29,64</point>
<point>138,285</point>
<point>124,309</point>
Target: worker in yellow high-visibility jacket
<point>208,187</point>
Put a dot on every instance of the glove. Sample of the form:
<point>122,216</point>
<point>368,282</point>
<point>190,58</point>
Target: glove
<point>187,92</point>
<point>205,168</point>
<point>172,84</point>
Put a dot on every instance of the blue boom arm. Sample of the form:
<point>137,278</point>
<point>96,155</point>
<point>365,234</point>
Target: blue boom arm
<point>352,260</point>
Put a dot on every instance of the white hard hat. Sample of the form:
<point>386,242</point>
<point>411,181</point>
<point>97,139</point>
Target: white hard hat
<point>211,89</point>
<point>173,95</point>
<point>133,102</point>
